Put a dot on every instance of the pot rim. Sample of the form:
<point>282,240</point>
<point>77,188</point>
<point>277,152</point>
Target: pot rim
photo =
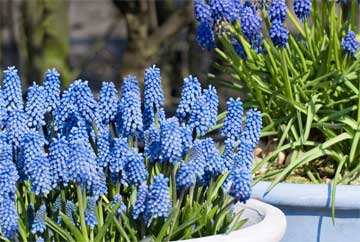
<point>270,229</point>
<point>308,195</point>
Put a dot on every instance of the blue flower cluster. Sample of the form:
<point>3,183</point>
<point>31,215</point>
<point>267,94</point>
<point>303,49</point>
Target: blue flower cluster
<point>349,43</point>
<point>118,142</point>
<point>213,17</point>
<point>302,8</point>
<point>277,14</point>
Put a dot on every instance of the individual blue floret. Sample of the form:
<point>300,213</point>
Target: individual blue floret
<point>108,100</point>
<point>122,206</point>
<point>233,119</point>
<point>52,89</point>
<point>171,148</point>
<point>8,218</point>
<point>277,11</point>
<point>39,226</point>
<point>212,101</point>
<point>152,143</point>
<point>16,126</point>
<point>186,176</point>
<point>191,90</point>
<point>279,34</point>
<point>135,170</point>
<point>205,37</point>
<point>159,203</point>
<point>90,214</point>
<point>203,13</point>
<point>302,8</point>
<point>11,90</point>
<point>350,44</point>
<point>240,182</point>
<point>223,10</point>
<point>141,200</point>
<point>252,128</point>
<point>58,156</point>
<point>35,106</point>
<point>103,147</point>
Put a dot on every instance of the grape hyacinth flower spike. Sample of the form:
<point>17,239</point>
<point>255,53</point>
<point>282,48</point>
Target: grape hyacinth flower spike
<point>350,44</point>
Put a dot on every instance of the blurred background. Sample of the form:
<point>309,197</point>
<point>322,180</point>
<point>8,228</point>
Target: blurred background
<point>102,40</point>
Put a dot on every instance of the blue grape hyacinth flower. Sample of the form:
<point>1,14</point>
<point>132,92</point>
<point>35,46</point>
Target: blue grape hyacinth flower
<point>203,13</point>
<point>199,120</point>
<point>118,155</point>
<point>153,92</point>
<point>35,107</point>
<point>103,147</point>
<point>135,169</point>
<point>141,200</point>
<point>191,90</point>
<point>223,10</point>
<point>90,214</point>
<point>39,226</point>
<point>107,106</point>
<point>205,37</point>
<point>233,119</point>
<point>186,176</point>
<point>229,154</point>
<point>302,8</point>
<point>11,90</point>
<point>250,22</point>
<point>58,157</point>
<point>38,172</point>
<point>350,44</point>
<point>212,101</point>
<point>152,143</point>
<point>171,143</point>
<point>159,203</point>
<point>16,126</point>
<point>252,128</point>
<point>277,11</point>
<point>52,89</point>
<point>238,47</point>
<point>240,182</point>
<point>8,217</point>
<point>279,34</point>
<point>245,156</point>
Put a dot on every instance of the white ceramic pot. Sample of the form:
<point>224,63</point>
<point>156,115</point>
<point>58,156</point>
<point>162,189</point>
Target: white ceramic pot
<point>265,223</point>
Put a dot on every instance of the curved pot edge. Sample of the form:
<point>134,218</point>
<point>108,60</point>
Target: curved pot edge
<point>308,195</point>
<point>271,229</point>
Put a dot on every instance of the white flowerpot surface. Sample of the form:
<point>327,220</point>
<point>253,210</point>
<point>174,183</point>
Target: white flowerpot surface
<point>266,223</point>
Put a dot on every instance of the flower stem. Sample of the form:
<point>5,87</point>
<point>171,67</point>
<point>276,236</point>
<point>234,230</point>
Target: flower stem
<point>173,181</point>
<point>81,212</point>
<point>286,76</point>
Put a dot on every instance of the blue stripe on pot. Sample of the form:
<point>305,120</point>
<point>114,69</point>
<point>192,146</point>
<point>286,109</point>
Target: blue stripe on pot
<point>308,211</point>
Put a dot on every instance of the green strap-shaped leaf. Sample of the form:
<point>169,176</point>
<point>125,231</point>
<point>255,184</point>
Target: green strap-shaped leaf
<point>108,221</point>
<point>76,232</point>
<point>59,230</point>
